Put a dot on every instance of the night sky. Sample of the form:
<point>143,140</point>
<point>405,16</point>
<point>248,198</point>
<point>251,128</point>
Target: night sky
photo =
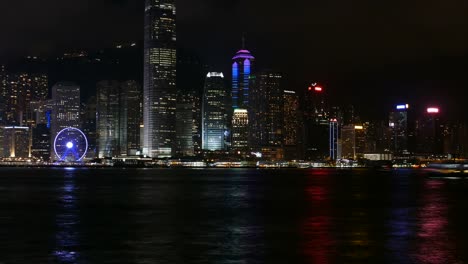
<point>401,50</point>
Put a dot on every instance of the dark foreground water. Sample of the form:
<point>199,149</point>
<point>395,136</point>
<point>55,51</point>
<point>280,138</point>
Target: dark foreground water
<point>231,216</point>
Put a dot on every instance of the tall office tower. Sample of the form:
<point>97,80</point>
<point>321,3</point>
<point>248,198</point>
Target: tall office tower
<point>2,151</point>
<point>361,142</point>
<point>159,93</point>
<point>292,121</point>
<point>333,139</point>
<point>316,124</point>
<point>214,112</point>
<point>349,116</point>
<point>241,73</point>
<point>41,142</point>
<point>40,85</point>
<point>453,139</point>
<point>191,75</point>
<point>370,136</point>
<point>37,113</point>
<point>266,115</point>
<point>460,140</point>
<point>429,133</point>
<point>348,142</point>
<point>16,142</point>
<point>108,118</point>
<point>21,90</point>
<point>240,131</point>
<point>353,141</point>
<point>130,118</point>
<point>398,123</point>
<point>88,117</point>
<point>380,135</point>
<point>3,94</point>
<point>316,108</point>
<point>197,123</point>
<point>184,124</point>
<point>118,118</point>
<point>65,109</point>
<point>39,91</point>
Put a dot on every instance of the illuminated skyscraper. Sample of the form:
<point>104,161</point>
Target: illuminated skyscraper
<point>352,141</point>
<point>65,106</point>
<point>65,109</point>
<point>191,76</point>
<point>240,132</point>
<point>184,124</point>
<point>398,123</point>
<point>361,142</point>
<point>159,93</point>
<point>108,118</point>
<point>18,91</point>
<point>292,126</point>
<point>3,94</point>
<point>316,108</point>
<point>16,142</point>
<point>266,114</point>
<point>316,124</point>
<point>241,70</point>
<point>130,117</point>
<point>214,112</point>
<point>118,118</point>
<point>40,148</point>
<point>333,139</point>
<point>429,132</point>
<point>348,142</point>
<point>89,119</point>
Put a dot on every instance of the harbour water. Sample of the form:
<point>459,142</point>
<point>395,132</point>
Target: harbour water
<point>65,215</point>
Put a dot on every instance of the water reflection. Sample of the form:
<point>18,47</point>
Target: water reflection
<point>184,219</point>
<point>67,221</point>
<point>319,244</point>
<point>230,216</point>
<point>434,245</point>
<point>240,237</point>
<point>399,223</point>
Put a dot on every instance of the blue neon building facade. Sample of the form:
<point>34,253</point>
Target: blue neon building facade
<point>241,70</point>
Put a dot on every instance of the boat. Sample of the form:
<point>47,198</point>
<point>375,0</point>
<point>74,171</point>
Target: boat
<point>449,167</point>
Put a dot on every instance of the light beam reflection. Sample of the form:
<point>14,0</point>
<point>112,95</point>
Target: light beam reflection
<point>317,228</point>
<point>434,241</point>
<point>67,221</point>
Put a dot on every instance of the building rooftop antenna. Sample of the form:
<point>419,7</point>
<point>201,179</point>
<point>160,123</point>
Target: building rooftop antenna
<point>243,40</point>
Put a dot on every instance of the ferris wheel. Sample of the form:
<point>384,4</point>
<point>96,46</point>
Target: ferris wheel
<point>70,145</point>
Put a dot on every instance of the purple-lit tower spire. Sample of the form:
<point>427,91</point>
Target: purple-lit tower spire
<point>241,69</point>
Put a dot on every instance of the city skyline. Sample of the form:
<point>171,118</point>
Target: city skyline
<point>169,121</point>
<point>350,55</point>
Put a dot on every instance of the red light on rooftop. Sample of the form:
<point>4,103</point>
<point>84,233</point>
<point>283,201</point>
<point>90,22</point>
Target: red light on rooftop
<point>318,88</point>
<point>310,88</point>
<point>432,110</point>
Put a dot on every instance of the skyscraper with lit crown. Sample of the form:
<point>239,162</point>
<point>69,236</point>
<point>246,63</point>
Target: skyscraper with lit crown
<point>241,72</point>
<point>160,95</point>
<point>214,114</point>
